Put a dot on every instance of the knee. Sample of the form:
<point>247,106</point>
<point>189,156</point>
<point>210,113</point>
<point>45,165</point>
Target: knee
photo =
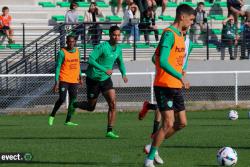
<point>112,105</point>
<point>167,126</point>
<point>181,126</point>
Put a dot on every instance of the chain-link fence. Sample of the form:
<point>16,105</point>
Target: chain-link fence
<point>34,91</point>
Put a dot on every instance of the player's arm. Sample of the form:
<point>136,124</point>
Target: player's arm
<point>190,48</point>
<point>80,77</point>
<point>95,54</point>
<point>121,66</point>
<point>166,46</point>
<point>59,61</point>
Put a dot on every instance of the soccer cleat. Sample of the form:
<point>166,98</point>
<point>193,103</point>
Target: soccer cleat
<point>149,163</point>
<point>70,124</point>
<point>144,110</point>
<point>51,120</point>
<point>111,135</point>
<point>157,159</point>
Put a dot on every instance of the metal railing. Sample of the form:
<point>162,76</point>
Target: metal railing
<point>32,90</point>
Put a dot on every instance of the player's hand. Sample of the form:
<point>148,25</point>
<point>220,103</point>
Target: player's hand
<point>125,79</point>
<point>109,72</point>
<point>81,81</point>
<point>185,82</point>
<point>56,87</point>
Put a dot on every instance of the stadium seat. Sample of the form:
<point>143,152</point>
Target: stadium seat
<point>212,46</point>
<point>63,4</point>
<point>61,18</point>
<point>83,4</point>
<point>207,4</point>
<point>125,45</point>
<point>196,45</point>
<point>88,46</point>
<point>113,18</point>
<point>47,4</point>
<point>102,4</point>
<point>189,3</point>
<point>106,32</point>
<point>160,31</point>
<point>14,46</point>
<point>154,45</point>
<point>166,18</point>
<point>221,4</point>
<point>2,47</point>
<point>216,31</point>
<point>142,46</point>
<point>171,4</point>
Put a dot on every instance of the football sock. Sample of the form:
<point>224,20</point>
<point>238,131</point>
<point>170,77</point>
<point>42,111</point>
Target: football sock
<point>152,152</point>
<point>152,106</point>
<point>71,110</point>
<point>109,128</point>
<point>155,127</point>
<point>56,107</point>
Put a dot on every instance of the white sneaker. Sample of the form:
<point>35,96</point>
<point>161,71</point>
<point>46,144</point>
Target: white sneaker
<point>149,163</point>
<point>157,159</point>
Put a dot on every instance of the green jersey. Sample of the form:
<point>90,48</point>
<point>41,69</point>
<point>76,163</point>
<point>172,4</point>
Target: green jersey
<point>102,58</point>
<point>229,31</point>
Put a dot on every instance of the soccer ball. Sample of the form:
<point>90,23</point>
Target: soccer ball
<point>233,115</point>
<point>227,156</point>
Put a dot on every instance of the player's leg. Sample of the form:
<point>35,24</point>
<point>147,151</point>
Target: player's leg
<point>72,98</point>
<point>168,123</point>
<point>157,121</point>
<point>109,94</point>
<point>63,87</point>
<point>93,91</point>
<point>145,108</point>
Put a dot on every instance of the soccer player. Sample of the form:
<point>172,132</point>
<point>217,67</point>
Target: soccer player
<point>98,79</point>
<point>67,78</point>
<point>169,80</point>
<point>148,106</point>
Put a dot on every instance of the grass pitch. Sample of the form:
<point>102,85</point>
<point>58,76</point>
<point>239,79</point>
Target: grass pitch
<point>86,145</point>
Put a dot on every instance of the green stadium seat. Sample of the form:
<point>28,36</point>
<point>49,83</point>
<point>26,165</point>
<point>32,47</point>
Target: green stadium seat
<point>216,31</point>
<point>101,19</point>
<point>58,18</point>
<point>218,17</point>
<point>14,46</point>
<point>88,46</point>
<point>166,18</point>
<point>125,45</point>
<point>189,3</point>
<point>102,4</point>
<point>171,4</point>
<point>207,4</point>
<point>221,4</point>
<point>113,18</point>
<point>2,47</point>
<point>212,46</point>
<point>142,46</point>
<point>47,4</point>
<point>160,31</point>
<point>61,18</point>
<point>63,4</point>
<point>196,45</point>
<point>154,45</point>
<point>83,4</point>
<point>106,32</point>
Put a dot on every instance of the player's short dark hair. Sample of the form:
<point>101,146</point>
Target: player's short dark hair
<point>113,28</point>
<point>70,36</point>
<point>200,3</point>
<point>184,9</point>
<point>5,8</point>
<point>72,4</point>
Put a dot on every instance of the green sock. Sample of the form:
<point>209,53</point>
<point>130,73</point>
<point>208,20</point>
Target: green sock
<point>151,154</point>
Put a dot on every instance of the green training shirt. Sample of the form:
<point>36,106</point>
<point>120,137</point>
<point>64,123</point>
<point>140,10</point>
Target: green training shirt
<point>102,58</point>
<point>60,60</point>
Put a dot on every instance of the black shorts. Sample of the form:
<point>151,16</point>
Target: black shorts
<point>72,88</point>
<point>6,28</point>
<point>169,99</point>
<point>95,87</point>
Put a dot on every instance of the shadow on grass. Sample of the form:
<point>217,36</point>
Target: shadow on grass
<point>71,163</point>
<point>205,147</point>
<point>207,165</point>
